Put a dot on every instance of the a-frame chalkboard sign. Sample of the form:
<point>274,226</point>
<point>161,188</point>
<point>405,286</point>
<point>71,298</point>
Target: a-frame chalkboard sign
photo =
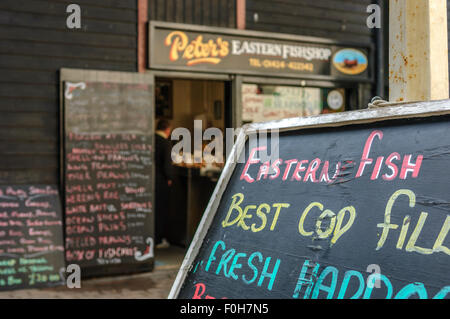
<point>352,205</point>
<point>107,135</point>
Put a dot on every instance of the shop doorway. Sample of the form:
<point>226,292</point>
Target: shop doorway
<point>183,101</point>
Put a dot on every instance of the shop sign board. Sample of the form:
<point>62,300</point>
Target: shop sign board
<point>204,49</point>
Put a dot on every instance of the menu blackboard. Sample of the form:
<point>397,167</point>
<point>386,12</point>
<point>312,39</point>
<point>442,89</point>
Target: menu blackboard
<point>31,237</point>
<point>108,176</point>
<point>351,211</point>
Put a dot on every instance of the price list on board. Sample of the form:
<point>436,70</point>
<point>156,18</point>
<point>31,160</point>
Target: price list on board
<point>31,239</point>
<point>108,174</point>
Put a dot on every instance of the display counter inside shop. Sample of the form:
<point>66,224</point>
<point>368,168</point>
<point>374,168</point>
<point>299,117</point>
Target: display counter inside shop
<point>189,195</point>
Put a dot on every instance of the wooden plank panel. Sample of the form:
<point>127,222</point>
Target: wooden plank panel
<point>29,119</point>
<point>9,32</point>
<point>202,12</point>
<point>214,12</point>
<point>313,32</point>
<point>337,5</point>
<point>220,13</point>
<point>30,90</point>
<point>26,104</point>
<point>74,51</point>
<point>313,23</point>
<point>88,11</point>
<point>169,9</point>
<point>59,23</point>
<point>342,20</point>
<point>121,4</point>
<point>37,161</point>
<point>198,17</point>
<point>29,134</point>
<point>151,9</point>
<point>28,148</point>
<point>188,11</point>
<point>160,10</point>
<point>307,11</point>
<point>207,19</point>
<point>29,176</point>
<point>231,14</point>
<point>29,61</point>
<point>179,8</point>
<point>34,45</point>
<point>27,76</point>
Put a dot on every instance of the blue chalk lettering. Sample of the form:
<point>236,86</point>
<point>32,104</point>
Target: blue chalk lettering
<point>443,293</point>
<point>265,274</point>
<point>371,284</point>
<point>412,289</point>
<point>213,251</point>
<point>235,265</point>
<point>303,281</point>
<point>348,275</point>
<point>328,289</point>
<point>226,257</point>
<point>255,270</point>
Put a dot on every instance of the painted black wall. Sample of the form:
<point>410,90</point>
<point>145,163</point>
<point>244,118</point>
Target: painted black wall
<point>218,13</point>
<point>343,20</point>
<point>34,44</point>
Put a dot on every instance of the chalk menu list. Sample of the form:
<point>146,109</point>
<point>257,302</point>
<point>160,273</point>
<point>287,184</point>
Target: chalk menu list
<point>108,174</point>
<point>31,239</point>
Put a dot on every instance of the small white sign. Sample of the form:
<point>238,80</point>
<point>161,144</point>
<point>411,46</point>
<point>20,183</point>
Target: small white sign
<point>335,100</point>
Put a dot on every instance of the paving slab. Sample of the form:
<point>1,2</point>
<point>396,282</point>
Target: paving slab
<point>150,285</point>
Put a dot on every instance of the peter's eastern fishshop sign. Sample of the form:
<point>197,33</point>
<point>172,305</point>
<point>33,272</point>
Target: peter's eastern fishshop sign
<point>244,52</point>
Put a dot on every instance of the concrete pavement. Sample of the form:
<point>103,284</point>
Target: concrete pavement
<point>152,285</point>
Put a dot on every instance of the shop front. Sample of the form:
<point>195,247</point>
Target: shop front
<point>229,77</point>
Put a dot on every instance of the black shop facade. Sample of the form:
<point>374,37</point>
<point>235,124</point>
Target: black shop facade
<point>226,78</point>
<point>197,78</point>
<point>100,215</point>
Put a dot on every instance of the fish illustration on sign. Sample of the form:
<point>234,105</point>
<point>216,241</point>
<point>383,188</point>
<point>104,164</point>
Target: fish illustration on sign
<point>148,253</point>
<point>71,87</point>
<point>350,61</point>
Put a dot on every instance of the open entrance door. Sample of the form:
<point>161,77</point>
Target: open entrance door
<point>194,105</point>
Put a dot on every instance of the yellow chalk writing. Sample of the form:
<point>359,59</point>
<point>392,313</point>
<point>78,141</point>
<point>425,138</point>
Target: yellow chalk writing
<point>241,215</point>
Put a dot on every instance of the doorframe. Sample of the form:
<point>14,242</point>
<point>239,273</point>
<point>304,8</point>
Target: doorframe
<point>234,79</point>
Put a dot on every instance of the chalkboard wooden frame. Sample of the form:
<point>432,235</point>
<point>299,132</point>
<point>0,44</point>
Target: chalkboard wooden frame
<point>80,75</point>
<point>398,111</point>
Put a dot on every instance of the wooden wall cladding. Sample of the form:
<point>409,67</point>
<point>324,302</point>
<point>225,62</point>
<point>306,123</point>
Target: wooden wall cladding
<point>218,13</point>
<point>34,44</point>
<point>344,20</point>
